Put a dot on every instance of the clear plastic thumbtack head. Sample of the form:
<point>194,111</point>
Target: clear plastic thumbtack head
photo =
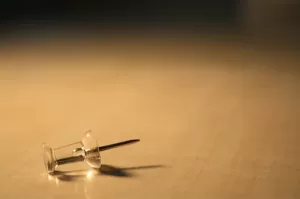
<point>86,150</point>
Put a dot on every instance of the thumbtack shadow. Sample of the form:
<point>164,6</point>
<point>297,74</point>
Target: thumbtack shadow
<point>107,170</point>
<point>114,171</point>
<point>124,172</point>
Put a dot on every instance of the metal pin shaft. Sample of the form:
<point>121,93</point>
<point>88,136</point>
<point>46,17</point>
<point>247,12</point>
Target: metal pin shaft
<point>71,159</point>
<point>119,144</point>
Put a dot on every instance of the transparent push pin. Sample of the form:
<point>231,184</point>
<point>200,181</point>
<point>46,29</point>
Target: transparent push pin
<point>86,150</point>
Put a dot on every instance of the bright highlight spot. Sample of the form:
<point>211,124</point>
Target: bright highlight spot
<point>89,175</point>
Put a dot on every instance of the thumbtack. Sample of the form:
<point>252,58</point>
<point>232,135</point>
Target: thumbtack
<point>86,150</point>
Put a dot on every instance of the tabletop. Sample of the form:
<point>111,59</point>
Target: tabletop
<point>215,119</point>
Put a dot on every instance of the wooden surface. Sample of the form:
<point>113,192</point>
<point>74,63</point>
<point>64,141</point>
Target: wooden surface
<point>216,119</point>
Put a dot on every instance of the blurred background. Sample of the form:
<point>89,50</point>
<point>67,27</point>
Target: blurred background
<point>274,18</point>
